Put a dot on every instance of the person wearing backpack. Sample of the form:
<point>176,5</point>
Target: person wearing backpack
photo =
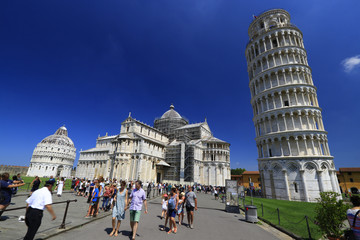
<point>353,216</point>
<point>172,210</point>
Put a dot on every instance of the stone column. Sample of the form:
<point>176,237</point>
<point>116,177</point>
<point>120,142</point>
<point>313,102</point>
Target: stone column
<point>333,181</point>
<point>303,179</point>
<point>281,149</point>
<point>297,145</point>
<point>216,175</point>
<point>289,145</point>
<point>287,191</point>
<point>321,183</point>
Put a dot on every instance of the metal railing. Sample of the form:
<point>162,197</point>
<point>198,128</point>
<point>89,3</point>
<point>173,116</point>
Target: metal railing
<point>62,226</point>
<point>276,212</point>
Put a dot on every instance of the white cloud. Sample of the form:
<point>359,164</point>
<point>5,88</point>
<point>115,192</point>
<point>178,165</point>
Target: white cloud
<point>351,63</point>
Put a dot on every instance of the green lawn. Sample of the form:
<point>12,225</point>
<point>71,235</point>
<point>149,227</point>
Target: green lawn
<point>28,181</point>
<point>291,215</point>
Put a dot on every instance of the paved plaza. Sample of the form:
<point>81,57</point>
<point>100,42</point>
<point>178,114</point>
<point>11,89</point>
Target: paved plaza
<point>211,222</point>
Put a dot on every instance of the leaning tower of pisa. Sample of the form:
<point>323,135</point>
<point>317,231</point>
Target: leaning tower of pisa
<point>294,157</point>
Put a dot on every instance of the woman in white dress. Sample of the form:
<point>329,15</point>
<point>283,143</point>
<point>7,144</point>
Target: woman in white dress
<point>60,187</point>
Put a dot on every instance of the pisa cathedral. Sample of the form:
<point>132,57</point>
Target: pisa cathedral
<point>294,157</point>
<point>171,151</point>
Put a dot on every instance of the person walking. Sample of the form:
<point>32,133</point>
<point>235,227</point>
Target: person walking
<point>106,197</point>
<point>94,202</point>
<point>35,184</point>
<point>164,207</point>
<point>172,210</point>
<point>180,209</point>
<point>35,205</point>
<point>191,205</point>
<point>60,187</point>
<point>149,186</point>
<point>137,199</point>
<point>121,202</point>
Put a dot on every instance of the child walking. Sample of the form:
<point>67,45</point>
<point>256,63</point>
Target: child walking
<point>164,206</point>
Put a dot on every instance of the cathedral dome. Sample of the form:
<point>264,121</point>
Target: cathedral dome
<point>171,113</point>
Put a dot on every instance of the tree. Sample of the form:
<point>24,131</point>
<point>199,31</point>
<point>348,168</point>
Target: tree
<point>331,214</point>
<point>237,171</point>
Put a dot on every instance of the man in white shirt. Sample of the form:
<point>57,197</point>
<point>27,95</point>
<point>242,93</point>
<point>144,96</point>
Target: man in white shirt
<point>35,204</point>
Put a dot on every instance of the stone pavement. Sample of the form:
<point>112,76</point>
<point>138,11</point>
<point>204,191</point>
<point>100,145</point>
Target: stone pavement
<point>211,222</point>
<point>11,228</point>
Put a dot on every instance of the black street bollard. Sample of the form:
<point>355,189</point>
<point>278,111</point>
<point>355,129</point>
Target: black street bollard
<point>62,226</point>
<point>278,212</point>
<point>308,227</point>
<point>262,209</point>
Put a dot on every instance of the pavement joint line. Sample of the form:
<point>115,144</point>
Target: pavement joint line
<point>83,224</point>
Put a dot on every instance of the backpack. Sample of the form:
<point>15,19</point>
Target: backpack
<point>349,235</point>
<point>171,203</point>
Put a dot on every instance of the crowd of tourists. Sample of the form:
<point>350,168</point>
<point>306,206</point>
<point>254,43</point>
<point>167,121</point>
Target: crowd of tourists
<point>178,202</point>
<point>119,196</point>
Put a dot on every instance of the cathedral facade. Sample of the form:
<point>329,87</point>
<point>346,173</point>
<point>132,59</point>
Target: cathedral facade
<point>171,151</point>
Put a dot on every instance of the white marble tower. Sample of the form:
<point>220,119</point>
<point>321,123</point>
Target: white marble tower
<point>294,157</point>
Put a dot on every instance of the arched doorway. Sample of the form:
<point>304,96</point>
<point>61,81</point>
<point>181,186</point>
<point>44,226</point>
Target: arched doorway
<point>59,171</point>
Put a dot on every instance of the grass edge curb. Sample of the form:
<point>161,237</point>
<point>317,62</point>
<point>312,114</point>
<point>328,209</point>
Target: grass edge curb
<point>278,227</point>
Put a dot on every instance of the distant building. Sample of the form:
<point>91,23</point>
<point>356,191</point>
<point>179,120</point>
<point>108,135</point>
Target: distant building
<point>171,151</point>
<point>349,179</point>
<point>54,155</point>
<point>247,177</point>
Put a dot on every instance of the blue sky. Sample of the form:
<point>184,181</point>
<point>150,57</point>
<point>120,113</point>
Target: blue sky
<point>86,64</point>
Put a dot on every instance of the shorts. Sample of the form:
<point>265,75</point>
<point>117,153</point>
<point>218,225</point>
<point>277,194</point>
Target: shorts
<point>189,208</point>
<point>171,213</point>
<point>135,215</point>
<point>6,200</point>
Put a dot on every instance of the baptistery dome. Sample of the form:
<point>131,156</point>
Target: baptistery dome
<point>59,138</point>
<point>54,155</point>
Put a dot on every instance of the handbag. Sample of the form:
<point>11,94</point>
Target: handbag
<point>349,235</point>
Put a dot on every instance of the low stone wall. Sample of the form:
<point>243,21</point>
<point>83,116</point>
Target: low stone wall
<point>13,170</point>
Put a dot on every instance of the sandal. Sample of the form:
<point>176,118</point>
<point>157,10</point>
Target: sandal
<point>175,230</point>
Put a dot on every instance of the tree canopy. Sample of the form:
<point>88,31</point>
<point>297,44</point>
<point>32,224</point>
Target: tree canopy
<point>237,171</point>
